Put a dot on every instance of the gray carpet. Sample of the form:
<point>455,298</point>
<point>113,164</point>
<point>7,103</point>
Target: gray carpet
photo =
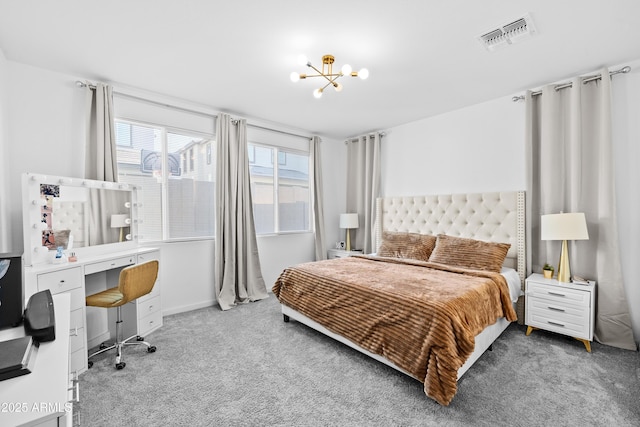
<point>246,367</point>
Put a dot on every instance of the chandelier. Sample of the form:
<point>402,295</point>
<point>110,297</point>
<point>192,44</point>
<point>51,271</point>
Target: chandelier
<point>328,74</point>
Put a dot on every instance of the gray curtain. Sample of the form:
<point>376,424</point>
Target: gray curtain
<point>101,162</point>
<point>363,186</point>
<point>100,153</point>
<point>238,278</point>
<point>318,195</point>
<point>571,170</point>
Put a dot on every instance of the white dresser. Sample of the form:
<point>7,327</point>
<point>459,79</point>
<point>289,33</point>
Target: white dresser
<point>564,308</point>
<point>86,276</point>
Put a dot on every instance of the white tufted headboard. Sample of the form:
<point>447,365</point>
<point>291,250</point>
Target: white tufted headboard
<point>73,216</point>
<point>493,217</point>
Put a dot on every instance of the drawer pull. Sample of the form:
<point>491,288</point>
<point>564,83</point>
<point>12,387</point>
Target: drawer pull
<point>555,323</point>
<point>557,294</point>
<point>150,308</point>
<point>61,282</point>
<point>73,332</point>
<point>556,309</point>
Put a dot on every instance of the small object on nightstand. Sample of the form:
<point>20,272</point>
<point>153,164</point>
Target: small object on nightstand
<point>339,253</point>
<point>579,281</point>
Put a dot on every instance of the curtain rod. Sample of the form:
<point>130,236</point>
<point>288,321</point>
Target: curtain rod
<point>622,70</point>
<point>81,84</point>
<point>93,87</point>
<point>278,131</point>
<point>355,138</point>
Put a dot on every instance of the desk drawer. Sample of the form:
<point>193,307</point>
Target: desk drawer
<point>76,341</point>
<point>78,360</point>
<point>77,319</point>
<point>154,292</point>
<point>77,298</point>
<point>155,255</point>
<point>148,306</point>
<point>109,265</point>
<point>61,280</point>
<point>150,322</point>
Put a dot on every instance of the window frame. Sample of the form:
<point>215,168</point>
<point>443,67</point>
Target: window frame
<point>276,174</point>
<point>164,196</point>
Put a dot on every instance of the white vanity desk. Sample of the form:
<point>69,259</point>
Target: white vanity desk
<point>102,218</point>
<point>88,275</point>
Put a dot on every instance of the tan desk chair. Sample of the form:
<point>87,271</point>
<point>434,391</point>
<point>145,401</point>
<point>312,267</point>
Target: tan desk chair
<point>135,281</point>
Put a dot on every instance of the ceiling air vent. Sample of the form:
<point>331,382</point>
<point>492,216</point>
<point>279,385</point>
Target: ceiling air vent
<point>507,34</point>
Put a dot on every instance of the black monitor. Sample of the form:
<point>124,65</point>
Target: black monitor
<point>11,290</point>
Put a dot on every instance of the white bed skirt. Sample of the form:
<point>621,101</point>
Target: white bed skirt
<point>483,340</point>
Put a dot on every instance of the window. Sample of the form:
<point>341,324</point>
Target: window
<point>178,202</point>
<point>280,192</point>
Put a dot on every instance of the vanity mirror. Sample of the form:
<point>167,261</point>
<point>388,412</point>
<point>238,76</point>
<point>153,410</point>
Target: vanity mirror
<point>76,215</point>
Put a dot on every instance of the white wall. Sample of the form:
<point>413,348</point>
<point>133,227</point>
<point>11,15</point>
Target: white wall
<point>474,149</point>
<point>481,148</point>
<point>5,229</point>
<point>46,129</point>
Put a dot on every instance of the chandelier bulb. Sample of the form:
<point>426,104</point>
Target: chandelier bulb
<point>302,60</point>
<point>317,93</point>
<point>346,69</point>
<point>338,87</point>
<point>363,73</point>
<point>294,77</point>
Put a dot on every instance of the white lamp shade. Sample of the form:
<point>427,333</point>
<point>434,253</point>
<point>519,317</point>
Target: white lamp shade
<point>349,220</point>
<point>564,226</point>
<point>119,220</point>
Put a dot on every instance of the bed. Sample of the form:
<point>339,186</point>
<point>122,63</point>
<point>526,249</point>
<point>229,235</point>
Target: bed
<point>429,313</point>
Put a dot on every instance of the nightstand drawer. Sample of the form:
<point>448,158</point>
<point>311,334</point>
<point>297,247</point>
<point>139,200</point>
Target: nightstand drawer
<point>558,295</point>
<point>576,325</point>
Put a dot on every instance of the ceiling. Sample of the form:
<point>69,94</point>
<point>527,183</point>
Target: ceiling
<point>236,56</point>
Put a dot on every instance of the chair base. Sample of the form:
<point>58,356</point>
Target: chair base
<point>118,346</point>
<point>120,343</point>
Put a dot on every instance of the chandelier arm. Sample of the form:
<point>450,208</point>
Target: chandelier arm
<point>321,74</point>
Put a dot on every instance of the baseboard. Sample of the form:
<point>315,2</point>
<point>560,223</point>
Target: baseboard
<point>190,307</point>
<point>97,340</point>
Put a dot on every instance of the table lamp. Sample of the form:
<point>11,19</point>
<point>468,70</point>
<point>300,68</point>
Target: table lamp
<point>349,221</point>
<point>564,226</point>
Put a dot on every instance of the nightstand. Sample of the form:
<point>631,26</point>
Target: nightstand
<point>341,253</point>
<point>564,308</point>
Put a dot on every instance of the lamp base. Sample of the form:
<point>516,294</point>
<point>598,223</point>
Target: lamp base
<point>564,271</point>
<point>348,248</point>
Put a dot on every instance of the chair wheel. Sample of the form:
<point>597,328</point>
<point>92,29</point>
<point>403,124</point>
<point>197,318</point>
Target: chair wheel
<point>152,349</point>
<point>139,338</point>
<point>89,365</point>
<point>120,365</point>
<point>103,346</point>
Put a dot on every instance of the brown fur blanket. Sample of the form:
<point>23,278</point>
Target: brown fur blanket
<point>421,316</point>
